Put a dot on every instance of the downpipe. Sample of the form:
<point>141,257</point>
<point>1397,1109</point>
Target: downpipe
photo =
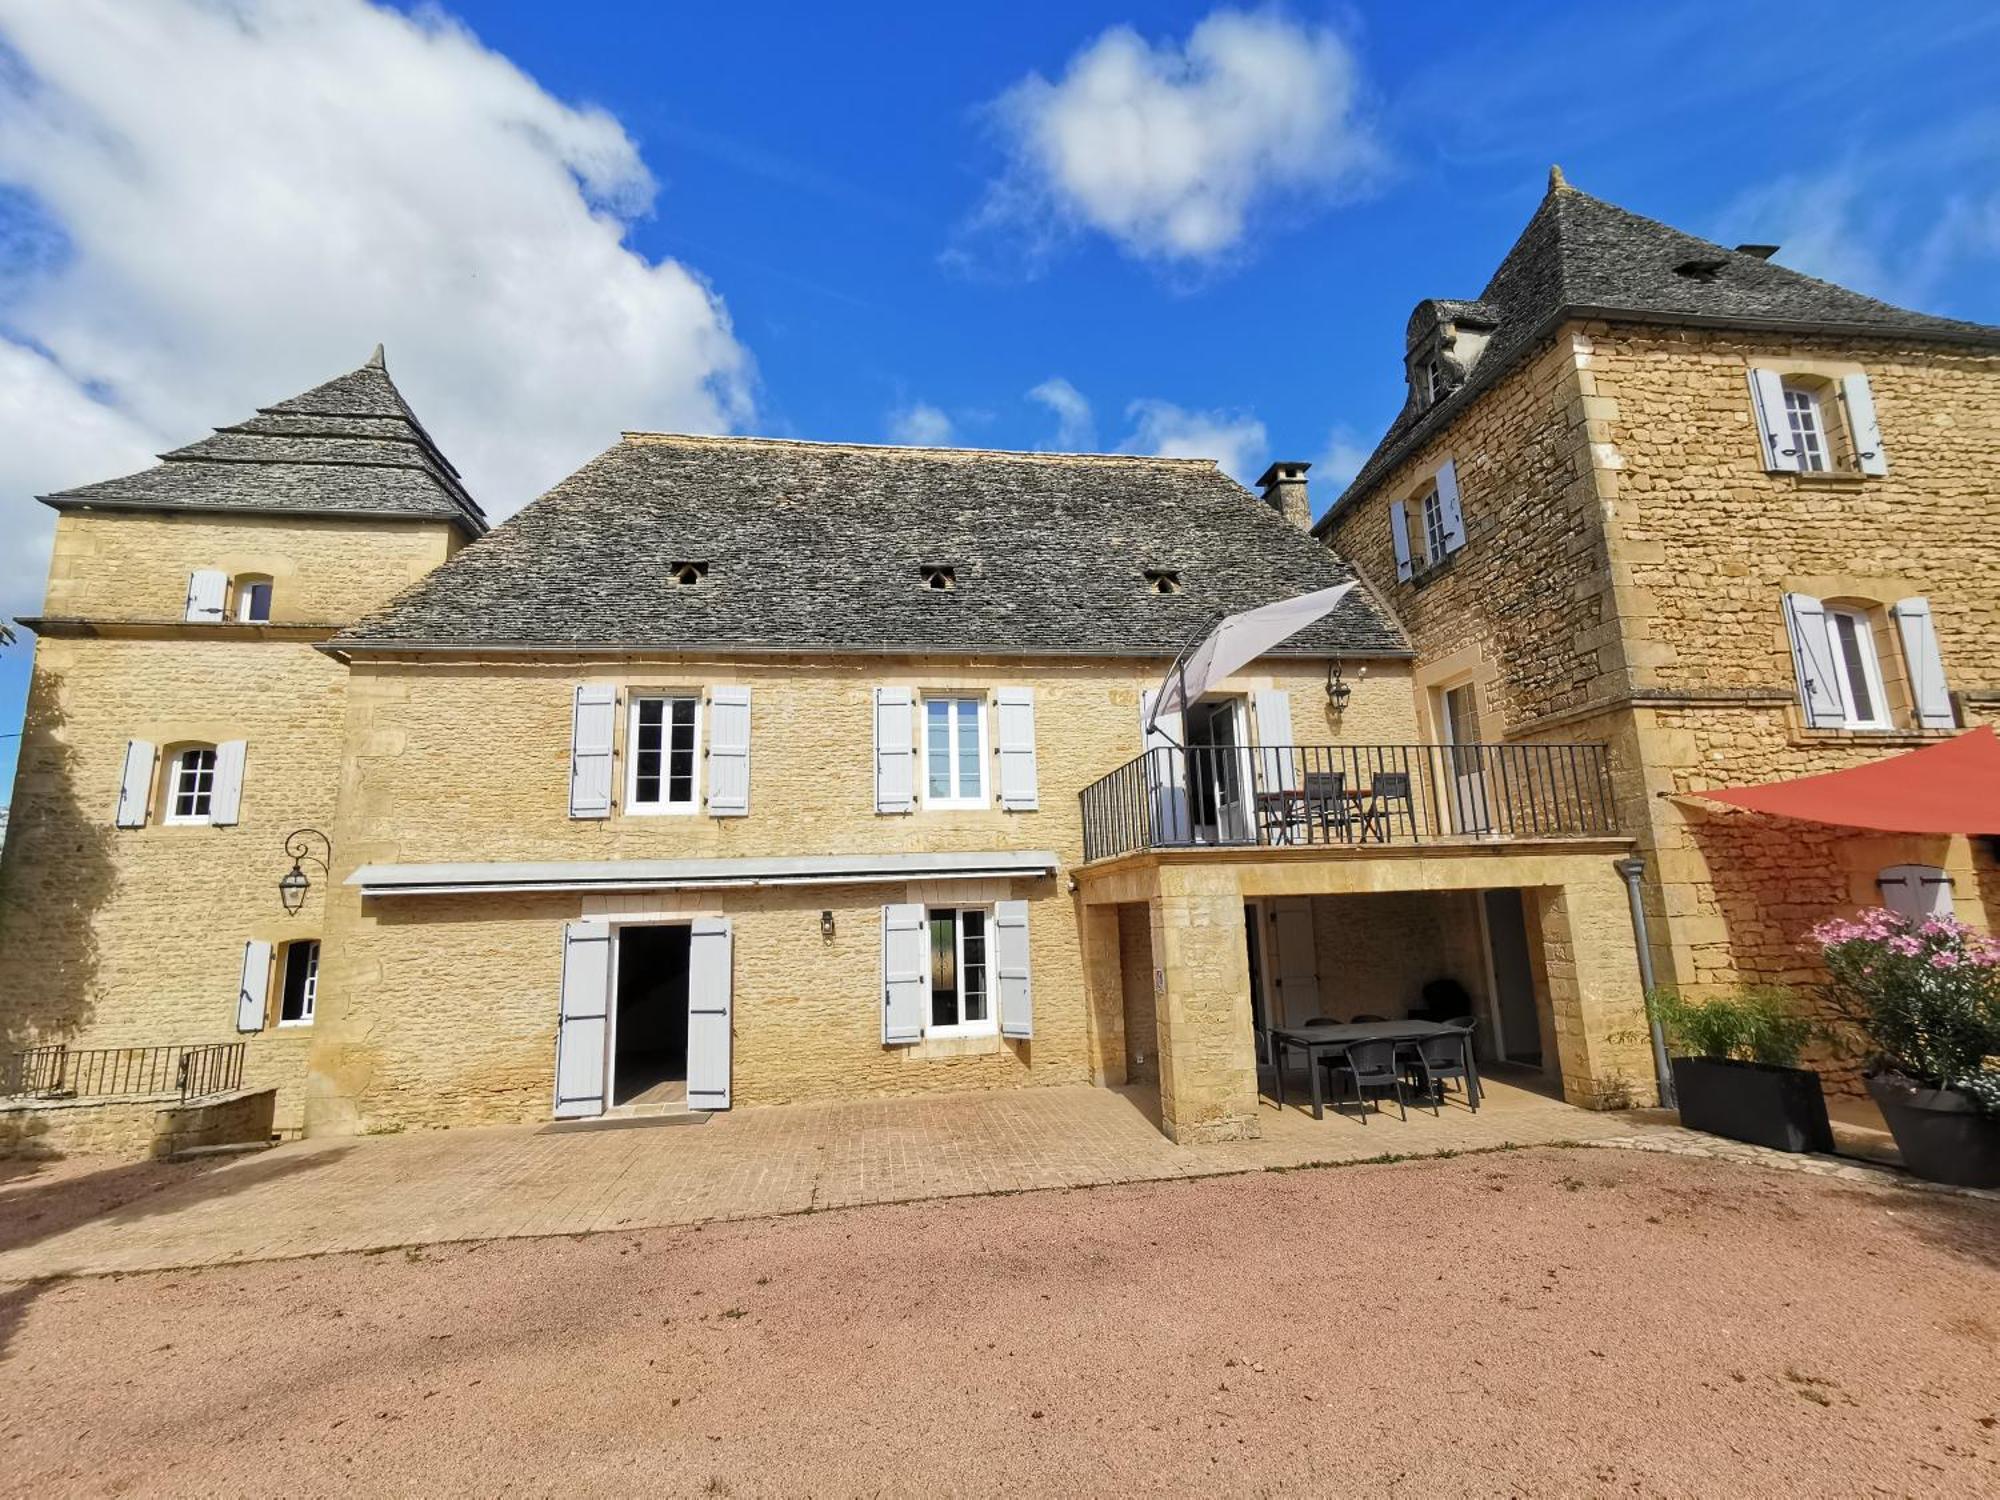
<point>1633,869</point>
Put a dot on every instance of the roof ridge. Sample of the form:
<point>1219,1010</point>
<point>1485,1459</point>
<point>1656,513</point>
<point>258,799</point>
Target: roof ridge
<point>641,438</point>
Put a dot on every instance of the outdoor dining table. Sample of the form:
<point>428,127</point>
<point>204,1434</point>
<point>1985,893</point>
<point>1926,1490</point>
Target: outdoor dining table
<point>1317,1041</point>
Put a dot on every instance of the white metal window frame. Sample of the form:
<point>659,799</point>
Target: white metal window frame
<point>248,610</point>
<point>1431,507</point>
<point>197,780</point>
<point>664,807</point>
<point>309,993</point>
<point>990,1024</point>
<point>954,748</point>
<point>1805,417</point>
<point>1871,667</point>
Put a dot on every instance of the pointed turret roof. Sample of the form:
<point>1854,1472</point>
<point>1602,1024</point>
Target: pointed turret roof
<point>350,447</point>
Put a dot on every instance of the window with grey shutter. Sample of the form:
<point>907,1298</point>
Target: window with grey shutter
<point>1399,537</point>
<point>1277,769</point>
<point>1929,694</point>
<point>895,750</point>
<point>135,784</point>
<point>1010,968</point>
<point>226,791</point>
<point>254,991</point>
<point>593,723</point>
<point>709,994</point>
<point>208,592</point>
<point>729,752</point>
<point>1812,661</point>
<point>1774,423</point>
<point>1862,426</point>
<point>1014,734</point>
<point>1453,518</point>
<point>1915,891</point>
<point>905,973</point>
<point>582,1028</point>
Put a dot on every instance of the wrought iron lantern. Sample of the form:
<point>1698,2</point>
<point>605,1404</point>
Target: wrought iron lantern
<point>826,926</point>
<point>294,883</point>
<point>1337,691</point>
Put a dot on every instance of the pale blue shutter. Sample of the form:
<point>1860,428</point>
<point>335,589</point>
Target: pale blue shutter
<point>709,989</point>
<point>226,792</point>
<point>1915,891</point>
<point>1014,735</point>
<point>1399,536</point>
<point>1454,519</point>
<point>895,750</point>
<point>581,1032</point>
<point>135,784</point>
<point>729,752</point>
<point>1812,660</point>
<point>1862,426</point>
<point>593,722</point>
<point>1277,765</point>
<point>1929,694</point>
<point>906,954</point>
<point>1774,426</point>
<point>208,589</point>
<point>1166,772</point>
<point>1010,967</point>
<point>253,992</point>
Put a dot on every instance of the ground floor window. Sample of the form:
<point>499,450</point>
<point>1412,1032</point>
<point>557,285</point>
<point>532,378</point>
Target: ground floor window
<point>295,1005</point>
<point>190,795</point>
<point>959,990</point>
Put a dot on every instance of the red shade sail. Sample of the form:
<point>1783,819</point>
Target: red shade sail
<point>1949,788</point>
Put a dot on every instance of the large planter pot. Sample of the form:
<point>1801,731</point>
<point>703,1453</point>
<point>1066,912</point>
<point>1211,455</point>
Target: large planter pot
<point>1942,1137</point>
<point>1783,1108</point>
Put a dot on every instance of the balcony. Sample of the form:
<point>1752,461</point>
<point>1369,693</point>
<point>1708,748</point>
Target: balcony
<point>1346,797</point>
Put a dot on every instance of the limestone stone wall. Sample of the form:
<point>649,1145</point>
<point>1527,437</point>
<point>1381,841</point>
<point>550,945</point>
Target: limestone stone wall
<point>1376,952</point>
<point>134,1128</point>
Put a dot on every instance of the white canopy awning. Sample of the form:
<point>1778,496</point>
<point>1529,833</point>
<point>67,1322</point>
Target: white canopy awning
<point>1240,640</point>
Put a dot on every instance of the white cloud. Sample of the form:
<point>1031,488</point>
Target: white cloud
<point>252,193</point>
<point>1235,439</point>
<point>920,425</point>
<point>1169,147</point>
<point>1342,458</point>
<point>1076,428</point>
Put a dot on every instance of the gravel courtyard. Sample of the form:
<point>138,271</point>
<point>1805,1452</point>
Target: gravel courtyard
<point>1544,1321</point>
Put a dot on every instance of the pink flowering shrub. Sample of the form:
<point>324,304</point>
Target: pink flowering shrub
<point>1923,994</point>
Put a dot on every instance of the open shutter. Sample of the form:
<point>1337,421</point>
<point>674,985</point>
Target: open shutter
<point>593,723</point>
<point>226,793</point>
<point>208,588</point>
<point>1166,772</point>
<point>1928,692</point>
<point>581,1032</point>
<point>1298,960</point>
<point>906,955</point>
<point>1014,719</point>
<point>729,752</point>
<point>1399,534</point>
<point>1277,765</point>
<point>135,784</point>
<point>895,750</point>
<point>709,986</point>
<point>1454,519</point>
<point>1812,660</point>
<point>1010,967</point>
<point>254,993</point>
<point>1862,426</point>
<point>1774,428</point>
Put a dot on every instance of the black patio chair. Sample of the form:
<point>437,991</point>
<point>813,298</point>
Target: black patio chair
<point>1320,1021</point>
<point>1367,1067</point>
<point>1433,1061</point>
<point>1389,802</point>
<point>1364,1019</point>
<point>1327,813</point>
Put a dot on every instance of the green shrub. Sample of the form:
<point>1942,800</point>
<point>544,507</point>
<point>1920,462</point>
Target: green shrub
<point>1760,1023</point>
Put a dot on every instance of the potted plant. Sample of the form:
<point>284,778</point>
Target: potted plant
<point>1922,995</point>
<point>1736,1068</point>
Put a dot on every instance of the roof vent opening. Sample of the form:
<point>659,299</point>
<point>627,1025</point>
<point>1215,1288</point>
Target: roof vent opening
<point>939,577</point>
<point>1705,268</point>
<point>1163,580</point>
<point>688,574</point>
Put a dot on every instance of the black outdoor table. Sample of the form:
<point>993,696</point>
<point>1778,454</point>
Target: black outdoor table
<point>1316,1041</point>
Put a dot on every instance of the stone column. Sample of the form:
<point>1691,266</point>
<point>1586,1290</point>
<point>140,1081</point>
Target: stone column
<point>1104,992</point>
<point>1208,1057</point>
<point>1585,937</point>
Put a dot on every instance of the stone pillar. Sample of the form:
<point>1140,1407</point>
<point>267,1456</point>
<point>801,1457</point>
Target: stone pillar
<point>1208,1056</point>
<point>1584,932</point>
<point>1104,992</point>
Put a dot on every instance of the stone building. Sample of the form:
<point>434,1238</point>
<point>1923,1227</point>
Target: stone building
<point>1731,521</point>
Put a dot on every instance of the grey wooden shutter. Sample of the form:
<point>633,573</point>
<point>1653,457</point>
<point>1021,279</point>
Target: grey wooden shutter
<point>135,784</point>
<point>1298,959</point>
<point>1774,427</point>
<point>208,589</point>
<point>581,1031</point>
<point>1454,518</point>
<point>1010,968</point>
<point>1915,891</point>
<point>225,798</point>
<point>895,750</point>
<point>593,726</point>
<point>729,752</point>
<point>709,990</point>
<point>253,993</point>
<point>1166,772</point>
<point>1862,426</point>
<point>906,962</point>
<point>1277,766</point>
<point>1929,694</point>
<point>1399,535</point>
<point>1812,660</point>
<point>1014,735</point>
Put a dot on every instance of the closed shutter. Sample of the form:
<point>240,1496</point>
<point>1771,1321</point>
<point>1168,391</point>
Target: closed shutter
<point>1010,967</point>
<point>254,992</point>
<point>1399,534</point>
<point>584,1017</point>
<point>1298,960</point>
<point>1277,765</point>
<point>1928,692</point>
<point>1774,428</point>
<point>593,723</point>
<point>1166,772</point>
<point>895,750</point>
<point>135,784</point>
<point>729,752</point>
<point>226,793</point>
<point>1862,426</point>
<point>906,954</point>
<point>1916,891</point>
<point>1454,518</point>
<point>709,987</point>
<point>1812,661</point>
<point>208,589</point>
<point>1014,732</point>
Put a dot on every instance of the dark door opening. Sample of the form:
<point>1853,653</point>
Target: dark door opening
<point>650,1065</point>
<point>1519,1020</point>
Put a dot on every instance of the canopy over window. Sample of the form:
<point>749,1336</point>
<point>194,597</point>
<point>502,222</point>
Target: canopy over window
<point>1949,788</point>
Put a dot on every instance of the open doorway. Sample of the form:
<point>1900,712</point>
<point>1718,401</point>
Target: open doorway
<point>649,1061</point>
<point>1516,1019</point>
<point>1218,786</point>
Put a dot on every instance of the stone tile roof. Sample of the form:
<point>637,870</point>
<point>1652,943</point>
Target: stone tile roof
<point>349,447</point>
<point>819,547</point>
<point>1580,256</point>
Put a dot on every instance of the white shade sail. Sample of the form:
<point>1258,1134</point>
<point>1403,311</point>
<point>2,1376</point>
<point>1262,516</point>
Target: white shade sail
<point>1240,640</point>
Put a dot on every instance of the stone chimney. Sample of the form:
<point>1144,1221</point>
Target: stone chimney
<point>1284,487</point>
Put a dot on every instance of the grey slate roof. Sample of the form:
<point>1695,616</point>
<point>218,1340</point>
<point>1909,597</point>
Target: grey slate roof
<point>1581,256</point>
<point>818,546</point>
<point>349,447</point>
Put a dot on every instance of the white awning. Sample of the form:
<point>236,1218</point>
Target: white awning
<point>1240,640</point>
<point>694,874</point>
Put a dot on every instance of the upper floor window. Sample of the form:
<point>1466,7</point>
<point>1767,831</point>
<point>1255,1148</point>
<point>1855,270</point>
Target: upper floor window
<point>1434,531</point>
<point>1440,522</point>
<point>954,750</point>
<point>253,599</point>
<point>1847,677</point>
<point>191,785</point>
<point>1817,424</point>
<point>1857,668</point>
<point>663,734</point>
<point>1808,428</point>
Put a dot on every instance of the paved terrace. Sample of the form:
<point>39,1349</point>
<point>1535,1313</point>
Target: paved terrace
<point>374,1193</point>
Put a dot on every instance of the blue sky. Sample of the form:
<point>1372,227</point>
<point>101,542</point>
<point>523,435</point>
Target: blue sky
<point>1169,228</point>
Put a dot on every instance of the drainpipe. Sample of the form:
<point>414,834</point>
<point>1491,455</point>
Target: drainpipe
<point>1632,869</point>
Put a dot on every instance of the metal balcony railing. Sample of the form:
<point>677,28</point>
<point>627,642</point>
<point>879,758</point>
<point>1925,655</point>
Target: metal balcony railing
<point>1290,795</point>
<point>192,1071</point>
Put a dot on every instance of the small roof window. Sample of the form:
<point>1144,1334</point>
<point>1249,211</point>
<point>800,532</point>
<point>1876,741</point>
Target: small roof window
<point>939,576</point>
<point>688,574</point>
<point>1163,580</point>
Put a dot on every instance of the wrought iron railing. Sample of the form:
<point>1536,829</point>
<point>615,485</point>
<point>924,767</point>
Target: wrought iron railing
<point>1279,795</point>
<point>192,1071</point>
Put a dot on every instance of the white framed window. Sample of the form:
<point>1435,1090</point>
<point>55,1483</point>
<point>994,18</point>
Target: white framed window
<point>253,599</point>
<point>191,785</point>
<point>960,973</point>
<point>1808,428</point>
<point>1434,526</point>
<point>301,988</point>
<point>1857,668</point>
<point>954,741</point>
<point>663,767</point>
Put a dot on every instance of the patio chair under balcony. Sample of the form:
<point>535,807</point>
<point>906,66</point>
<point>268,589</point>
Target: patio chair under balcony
<point>1433,1062</point>
<point>1368,1067</point>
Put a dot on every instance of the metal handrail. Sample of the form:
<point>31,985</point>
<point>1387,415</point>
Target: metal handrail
<point>191,1070</point>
